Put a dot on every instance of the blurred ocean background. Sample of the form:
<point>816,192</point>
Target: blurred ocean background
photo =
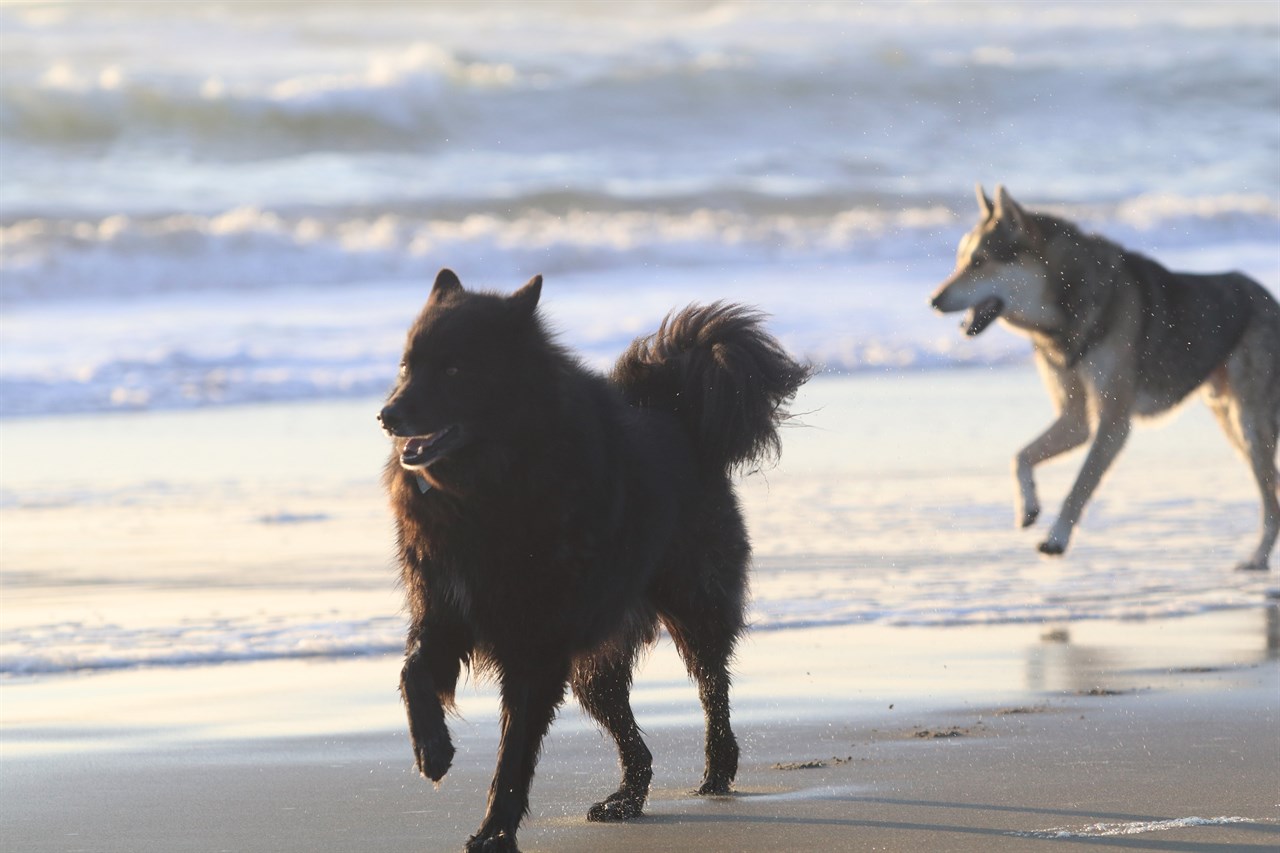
<point>211,204</point>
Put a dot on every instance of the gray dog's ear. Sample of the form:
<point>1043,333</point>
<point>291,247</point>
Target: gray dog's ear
<point>984,203</point>
<point>1007,209</point>
<point>446,282</point>
<point>526,298</point>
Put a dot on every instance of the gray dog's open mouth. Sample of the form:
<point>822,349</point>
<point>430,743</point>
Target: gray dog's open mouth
<point>420,451</point>
<point>982,315</point>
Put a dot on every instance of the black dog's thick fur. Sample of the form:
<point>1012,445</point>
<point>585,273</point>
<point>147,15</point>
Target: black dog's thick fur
<point>549,518</point>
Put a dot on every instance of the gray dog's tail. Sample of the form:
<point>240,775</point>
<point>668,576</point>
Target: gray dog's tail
<point>722,374</point>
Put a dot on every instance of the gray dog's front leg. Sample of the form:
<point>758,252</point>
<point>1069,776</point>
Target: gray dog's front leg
<point>1068,432</point>
<point>1113,430</point>
<point>1070,397</point>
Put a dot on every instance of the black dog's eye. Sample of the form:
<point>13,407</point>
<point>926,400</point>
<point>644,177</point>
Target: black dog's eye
<point>451,370</point>
<point>976,261</point>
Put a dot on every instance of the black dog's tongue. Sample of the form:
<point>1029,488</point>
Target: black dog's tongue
<point>421,450</point>
<point>982,315</point>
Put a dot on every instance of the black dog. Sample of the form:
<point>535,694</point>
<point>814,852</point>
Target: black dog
<point>548,518</point>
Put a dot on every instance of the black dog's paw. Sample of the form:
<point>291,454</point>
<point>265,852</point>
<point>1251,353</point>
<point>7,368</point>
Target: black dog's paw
<point>1253,566</point>
<point>498,842</point>
<point>1052,548</point>
<point>715,786</point>
<point>617,807</point>
<point>434,755</point>
<point>1029,516</point>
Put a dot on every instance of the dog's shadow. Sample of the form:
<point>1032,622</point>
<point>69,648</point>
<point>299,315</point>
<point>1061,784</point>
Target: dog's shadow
<point>718,813</point>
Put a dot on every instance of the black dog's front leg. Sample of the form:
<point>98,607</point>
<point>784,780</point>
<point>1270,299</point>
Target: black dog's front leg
<point>427,682</point>
<point>528,706</point>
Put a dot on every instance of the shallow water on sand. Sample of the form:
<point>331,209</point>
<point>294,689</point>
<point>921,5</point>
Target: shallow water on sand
<point>260,533</point>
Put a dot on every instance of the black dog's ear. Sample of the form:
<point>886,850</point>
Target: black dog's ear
<point>446,282</point>
<point>526,298</point>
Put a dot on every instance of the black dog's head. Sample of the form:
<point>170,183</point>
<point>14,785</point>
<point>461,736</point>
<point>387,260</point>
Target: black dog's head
<point>466,378</point>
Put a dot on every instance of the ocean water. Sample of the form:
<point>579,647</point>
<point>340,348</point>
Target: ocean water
<point>216,203</point>
<point>206,206</point>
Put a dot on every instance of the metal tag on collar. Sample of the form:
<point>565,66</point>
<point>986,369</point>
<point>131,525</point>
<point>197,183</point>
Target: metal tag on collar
<point>423,485</point>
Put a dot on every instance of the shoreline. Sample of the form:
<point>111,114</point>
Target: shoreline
<point>952,739</point>
<point>855,673</point>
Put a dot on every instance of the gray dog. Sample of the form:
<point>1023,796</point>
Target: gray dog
<point>1118,335</point>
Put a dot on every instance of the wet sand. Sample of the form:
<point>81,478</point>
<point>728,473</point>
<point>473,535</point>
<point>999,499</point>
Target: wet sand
<point>1003,740</point>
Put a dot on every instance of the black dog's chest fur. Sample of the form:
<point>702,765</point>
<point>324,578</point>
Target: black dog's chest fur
<point>522,566</point>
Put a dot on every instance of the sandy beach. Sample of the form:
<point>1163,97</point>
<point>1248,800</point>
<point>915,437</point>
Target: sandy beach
<point>1173,748</point>
<point>882,704</point>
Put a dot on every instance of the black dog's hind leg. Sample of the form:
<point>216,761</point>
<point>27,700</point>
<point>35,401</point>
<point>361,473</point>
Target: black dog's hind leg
<point>603,687</point>
<point>704,616</point>
<point>529,703</point>
<point>432,663</point>
<point>706,650</point>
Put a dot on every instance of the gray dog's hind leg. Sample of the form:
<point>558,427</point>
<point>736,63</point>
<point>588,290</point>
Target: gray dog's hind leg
<point>1258,436</point>
<point>1240,396</point>
<point>1262,458</point>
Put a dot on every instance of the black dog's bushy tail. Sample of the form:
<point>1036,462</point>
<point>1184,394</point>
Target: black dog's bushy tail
<point>719,371</point>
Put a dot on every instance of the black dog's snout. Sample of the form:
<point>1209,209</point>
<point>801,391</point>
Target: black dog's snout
<point>390,419</point>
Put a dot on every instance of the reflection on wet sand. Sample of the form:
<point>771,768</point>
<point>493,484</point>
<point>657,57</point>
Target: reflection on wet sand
<point>1096,657</point>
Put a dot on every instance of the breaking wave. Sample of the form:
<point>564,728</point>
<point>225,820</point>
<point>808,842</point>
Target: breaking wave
<point>252,248</point>
<point>396,101</point>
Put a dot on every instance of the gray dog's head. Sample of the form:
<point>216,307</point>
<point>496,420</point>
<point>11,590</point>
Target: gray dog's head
<point>1000,271</point>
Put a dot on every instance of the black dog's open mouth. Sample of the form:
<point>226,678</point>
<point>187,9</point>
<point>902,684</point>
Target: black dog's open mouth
<point>982,315</point>
<point>420,451</point>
